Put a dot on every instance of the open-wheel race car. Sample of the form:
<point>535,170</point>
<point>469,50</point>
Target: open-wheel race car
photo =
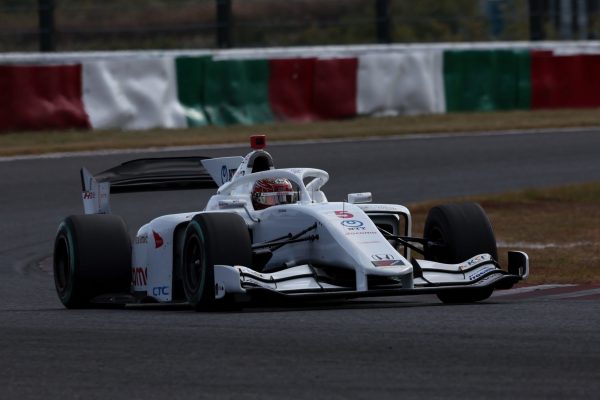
<point>268,234</point>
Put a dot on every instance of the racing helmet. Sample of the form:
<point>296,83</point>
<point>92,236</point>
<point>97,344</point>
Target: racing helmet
<point>271,192</point>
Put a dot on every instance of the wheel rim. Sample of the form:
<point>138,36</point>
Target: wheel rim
<point>62,266</point>
<point>194,264</point>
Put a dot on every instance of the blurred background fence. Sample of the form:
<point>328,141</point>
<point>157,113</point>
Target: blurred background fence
<point>73,25</point>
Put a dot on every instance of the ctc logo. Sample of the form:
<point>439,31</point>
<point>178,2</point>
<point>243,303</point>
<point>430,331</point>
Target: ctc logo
<point>160,291</point>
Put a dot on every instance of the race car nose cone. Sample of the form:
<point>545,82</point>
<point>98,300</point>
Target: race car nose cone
<point>258,142</point>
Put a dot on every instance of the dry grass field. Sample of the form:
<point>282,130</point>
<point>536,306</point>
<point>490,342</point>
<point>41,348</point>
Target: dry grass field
<point>559,228</point>
<point>60,141</point>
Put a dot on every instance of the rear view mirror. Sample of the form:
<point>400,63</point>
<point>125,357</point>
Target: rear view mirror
<point>358,198</point>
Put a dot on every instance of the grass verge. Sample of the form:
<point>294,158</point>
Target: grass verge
<point>18,143</point>
<point>559,228</point>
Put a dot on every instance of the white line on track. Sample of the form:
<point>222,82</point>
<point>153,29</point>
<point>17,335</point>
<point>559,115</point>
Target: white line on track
<point>541,246</point>
<point>422,136</point>
<point>528,289</point>
<point>582,293</point>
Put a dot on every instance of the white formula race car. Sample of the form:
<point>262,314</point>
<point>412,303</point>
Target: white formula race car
<point>268,234</point>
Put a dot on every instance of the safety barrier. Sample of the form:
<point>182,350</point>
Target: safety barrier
<point>565,81</point>
<point>486,80</point>
<point>291,89</point>
<point>141,90</point>
<point>138,93</point>
<point>236,91</point>
<point>41,97</point>
<point>190,87</point>
<point>335,88</point>
<point>404,83</point>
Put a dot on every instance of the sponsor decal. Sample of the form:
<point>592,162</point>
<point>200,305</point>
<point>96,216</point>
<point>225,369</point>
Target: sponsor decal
<point>477,260</point>
<point>139,276</point>
<point>158,240</point>
<point>387,263</point>
<point>227,174</point>
<point>160,291</point>
<point>142,239</point>
<point>224,174</point>
<point>481,272</point>
<point>355,227</point>
<point>353,224</point>
<point>360,233</point>
<point>343,214</point>
<point>382,257</point>
<point>87,195</point>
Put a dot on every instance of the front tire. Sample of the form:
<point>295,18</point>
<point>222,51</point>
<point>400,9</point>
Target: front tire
<point>209,240</point>
<point>92,256</point>
<point>457,232</point>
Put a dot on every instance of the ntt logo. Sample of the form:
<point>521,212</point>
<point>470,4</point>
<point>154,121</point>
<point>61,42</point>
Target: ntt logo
<point>352,223</point>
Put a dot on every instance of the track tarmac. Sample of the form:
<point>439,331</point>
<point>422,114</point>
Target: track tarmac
<point>537,343</point>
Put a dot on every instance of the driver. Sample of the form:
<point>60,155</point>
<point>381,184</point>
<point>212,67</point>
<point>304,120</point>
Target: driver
<point>271,192</point>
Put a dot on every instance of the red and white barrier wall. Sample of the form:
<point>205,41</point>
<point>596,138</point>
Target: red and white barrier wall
<point>143,90</point>
<point>403,83</point>
<point>41,97</point>
<point>136,93</point>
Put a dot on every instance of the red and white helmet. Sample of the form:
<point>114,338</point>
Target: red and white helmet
<point>271,192</point>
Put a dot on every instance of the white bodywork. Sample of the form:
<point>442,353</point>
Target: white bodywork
<point>348,238</point>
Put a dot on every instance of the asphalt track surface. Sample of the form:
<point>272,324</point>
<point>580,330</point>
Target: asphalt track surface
<point>411,347</point>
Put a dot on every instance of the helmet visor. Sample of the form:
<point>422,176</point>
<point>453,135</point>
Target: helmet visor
<point>276,198</point>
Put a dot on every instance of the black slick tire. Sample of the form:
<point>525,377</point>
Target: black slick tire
<point>457,232</point>
<point>92,256</point>
<point>212,239</point>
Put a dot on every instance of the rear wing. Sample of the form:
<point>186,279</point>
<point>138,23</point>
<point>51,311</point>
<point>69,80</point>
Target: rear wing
<point>150,174</point>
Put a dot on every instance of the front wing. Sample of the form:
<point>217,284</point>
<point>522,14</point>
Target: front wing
<point>305,282</point>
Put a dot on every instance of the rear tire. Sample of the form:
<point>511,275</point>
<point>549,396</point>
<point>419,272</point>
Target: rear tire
<point>461,231</point>
<point>209,240</point>
<point>92,256</point>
